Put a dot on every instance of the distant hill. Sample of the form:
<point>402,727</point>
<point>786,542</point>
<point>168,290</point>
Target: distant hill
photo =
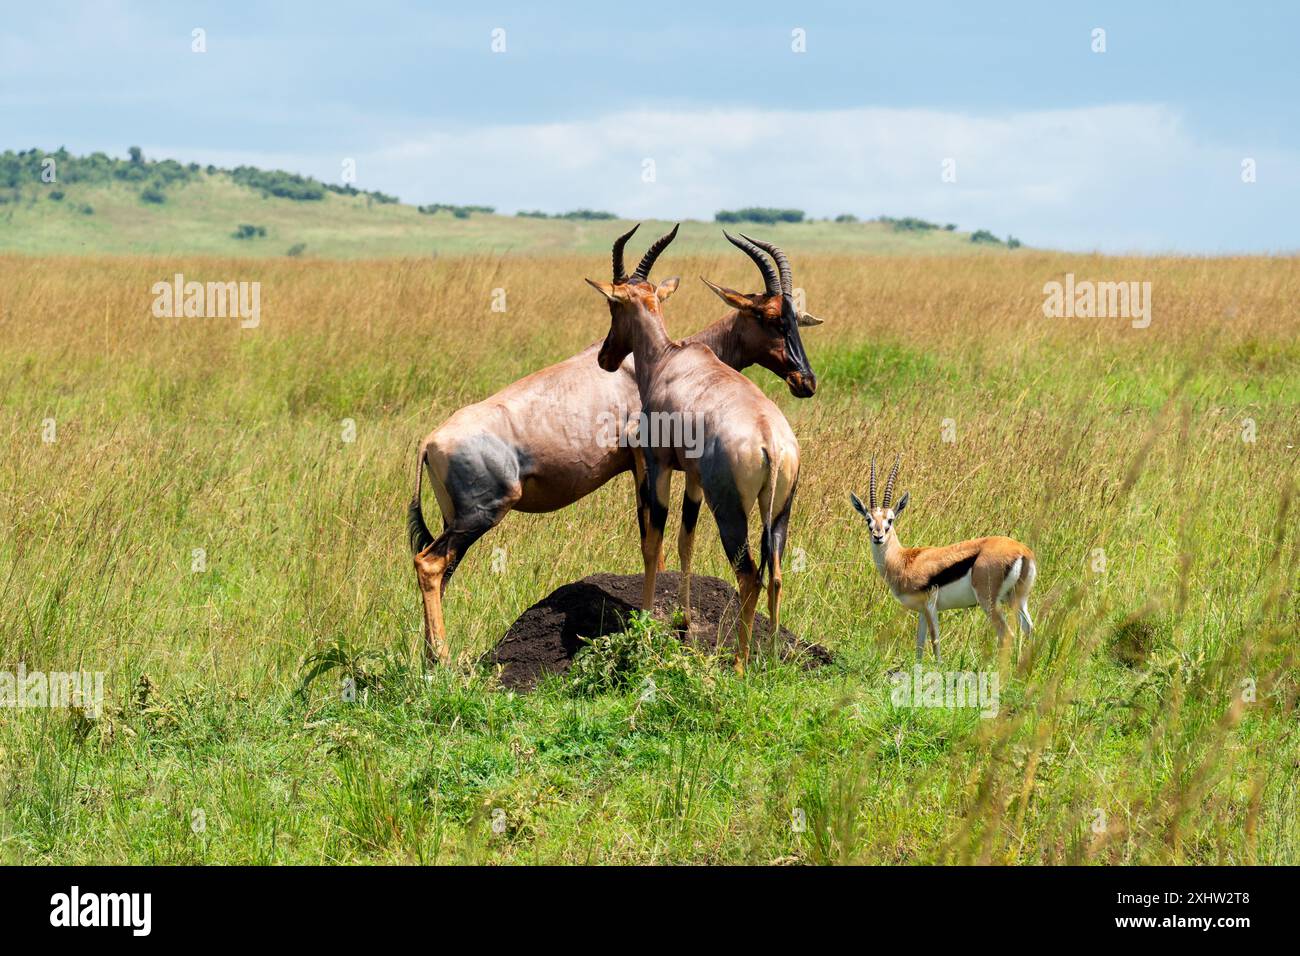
<point>53,203</point>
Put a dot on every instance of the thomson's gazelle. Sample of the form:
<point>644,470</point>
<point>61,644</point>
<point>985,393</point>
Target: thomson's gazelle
<point>982,571</point>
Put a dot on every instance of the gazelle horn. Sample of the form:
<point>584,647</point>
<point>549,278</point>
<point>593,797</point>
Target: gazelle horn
<point>873,483</point>
<point>889,482</point>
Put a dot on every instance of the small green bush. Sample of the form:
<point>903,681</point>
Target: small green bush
<point>910,224</point>
<point>646,648</point>
<point>586,214</point>
<point>763,214</point>
<point>460,212</point>
<point>1132,639</point>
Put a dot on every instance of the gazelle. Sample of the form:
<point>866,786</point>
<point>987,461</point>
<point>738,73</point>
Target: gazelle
<point>533,446</point>
<point>987,572</point>
<point>747,454</point>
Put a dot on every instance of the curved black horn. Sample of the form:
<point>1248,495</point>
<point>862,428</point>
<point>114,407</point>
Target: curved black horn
<point>648,260</point>
<point>889,482</point>
<point>619,275</point>
<point>873,483</point>
<point>782,263</point>
<point>770,281</point>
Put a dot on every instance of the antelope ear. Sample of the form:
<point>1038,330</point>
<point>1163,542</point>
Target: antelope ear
<point>859,506</point>
<point>604,288</point>
<point>806,319</point>
<point>667,288</point>
<point>902,503</point>
<point>737,300</point>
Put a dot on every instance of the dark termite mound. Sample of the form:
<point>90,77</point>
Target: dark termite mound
<point>546,637</point>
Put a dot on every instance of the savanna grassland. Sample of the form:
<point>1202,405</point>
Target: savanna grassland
<point>1152,470</point>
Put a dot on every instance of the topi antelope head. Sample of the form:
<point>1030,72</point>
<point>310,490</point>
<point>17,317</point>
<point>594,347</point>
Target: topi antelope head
<point>774,322</point>
<point>634,292</point>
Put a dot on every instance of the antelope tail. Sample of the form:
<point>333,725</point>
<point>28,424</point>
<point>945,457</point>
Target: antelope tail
<point>767,551</point>
<point>1009,582</point>
<point>418,532</point>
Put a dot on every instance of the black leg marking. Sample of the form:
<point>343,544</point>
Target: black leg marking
<point>658,509</point>
<point>733,528</point>
<point>780,530</point>
<point>690,514</point>
<point>456,544</point>
<point>724,501</point>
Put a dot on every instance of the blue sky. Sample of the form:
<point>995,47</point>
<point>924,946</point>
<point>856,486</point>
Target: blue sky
<point>1138,148</point>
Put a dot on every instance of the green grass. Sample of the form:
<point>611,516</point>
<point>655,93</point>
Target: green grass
<point>174,435</point>
<point>201,216</point>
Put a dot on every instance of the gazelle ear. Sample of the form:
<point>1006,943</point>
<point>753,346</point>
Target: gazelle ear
<point>807,318</point>
<point>737,300</point>
<point>902,503</point>
<point>667,288</point>
<point>859,506</point>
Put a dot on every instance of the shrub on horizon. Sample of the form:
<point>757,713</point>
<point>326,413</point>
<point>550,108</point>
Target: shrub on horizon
<point>764,214</point>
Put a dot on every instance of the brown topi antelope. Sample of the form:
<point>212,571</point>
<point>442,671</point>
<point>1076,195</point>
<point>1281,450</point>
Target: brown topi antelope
<point>982,571</point>
<point>531,446</point>
<point>745,451</point>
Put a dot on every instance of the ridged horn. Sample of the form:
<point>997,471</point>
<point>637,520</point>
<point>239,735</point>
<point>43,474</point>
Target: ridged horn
<point>648,260</point>
<point>873,483</point>
<point>889,482</point>
<point>782,263</point>
<point>620,276</point>
<point>771,283</point>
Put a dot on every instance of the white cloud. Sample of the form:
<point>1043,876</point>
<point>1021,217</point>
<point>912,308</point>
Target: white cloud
<point>1117,178</point>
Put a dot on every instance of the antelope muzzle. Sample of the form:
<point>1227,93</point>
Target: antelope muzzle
<point>802,384</point>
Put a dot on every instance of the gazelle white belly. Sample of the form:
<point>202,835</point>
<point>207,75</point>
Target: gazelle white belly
<point>959,593</point>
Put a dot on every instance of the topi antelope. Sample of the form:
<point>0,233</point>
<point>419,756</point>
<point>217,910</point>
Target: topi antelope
<point>531,447</point>
<point>748,454</point>
<point>982,571</point>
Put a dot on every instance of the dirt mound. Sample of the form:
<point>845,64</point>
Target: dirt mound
<point>546,636</point>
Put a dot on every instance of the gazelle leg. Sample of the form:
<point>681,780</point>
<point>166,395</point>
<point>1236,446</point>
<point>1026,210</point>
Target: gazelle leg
<point>660,481</point>
<point>920,637</point>
<point>691,501</point>
<point>932,621</point>
<point>1026,622</point>
<point>999,622</point>
<point>988,578</point>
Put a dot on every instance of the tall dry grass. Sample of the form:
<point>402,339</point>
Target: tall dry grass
<point>1123,733</point>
